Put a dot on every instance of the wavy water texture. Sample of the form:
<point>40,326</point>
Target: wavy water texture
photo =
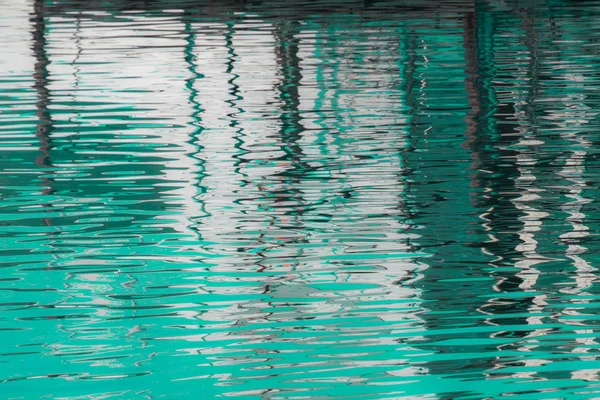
<point>300,199</point>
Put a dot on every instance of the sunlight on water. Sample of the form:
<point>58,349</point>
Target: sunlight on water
<point>304,199</point>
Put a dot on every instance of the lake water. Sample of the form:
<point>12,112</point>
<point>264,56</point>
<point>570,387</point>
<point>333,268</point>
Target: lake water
<point>299,200</point>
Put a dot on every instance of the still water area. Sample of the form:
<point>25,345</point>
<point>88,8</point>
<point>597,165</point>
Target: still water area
<point>299,200</point>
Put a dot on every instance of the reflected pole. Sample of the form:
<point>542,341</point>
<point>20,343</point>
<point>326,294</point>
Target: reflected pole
<point>40,76</point>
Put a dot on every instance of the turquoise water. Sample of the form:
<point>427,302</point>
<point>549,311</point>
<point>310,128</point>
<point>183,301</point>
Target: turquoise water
<point>299,200</point>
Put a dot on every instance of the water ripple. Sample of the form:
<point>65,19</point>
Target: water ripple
<point>309,199</point>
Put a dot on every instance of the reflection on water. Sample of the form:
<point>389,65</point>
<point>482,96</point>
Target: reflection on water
<point>315,199</point>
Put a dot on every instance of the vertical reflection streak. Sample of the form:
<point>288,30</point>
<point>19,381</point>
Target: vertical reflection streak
<point>574,121</point>
<point>530,192</point>
<point>44,126</point>
<point>472,77</point>
<point>584,272</point>
<point>287,48</point>
<point>196,116</point>
<point>40,76</point>
<point>407,205</point>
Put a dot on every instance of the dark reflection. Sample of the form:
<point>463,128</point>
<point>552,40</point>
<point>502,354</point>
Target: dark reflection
<point>259,199</point>
<point>196,121</point>
<point>290,9</point>
<point>41,81</point>
<point>511,111</point>
<point>44,125</point>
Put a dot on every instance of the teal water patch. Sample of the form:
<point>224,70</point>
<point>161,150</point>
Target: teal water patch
<point>301,199</point>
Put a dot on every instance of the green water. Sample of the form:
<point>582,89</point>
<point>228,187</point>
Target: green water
<point>299,200</point>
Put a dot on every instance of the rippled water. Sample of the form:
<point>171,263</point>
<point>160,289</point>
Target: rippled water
<point>300,199</point>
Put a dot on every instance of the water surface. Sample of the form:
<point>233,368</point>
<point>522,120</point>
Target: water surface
<point>300,199</point>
